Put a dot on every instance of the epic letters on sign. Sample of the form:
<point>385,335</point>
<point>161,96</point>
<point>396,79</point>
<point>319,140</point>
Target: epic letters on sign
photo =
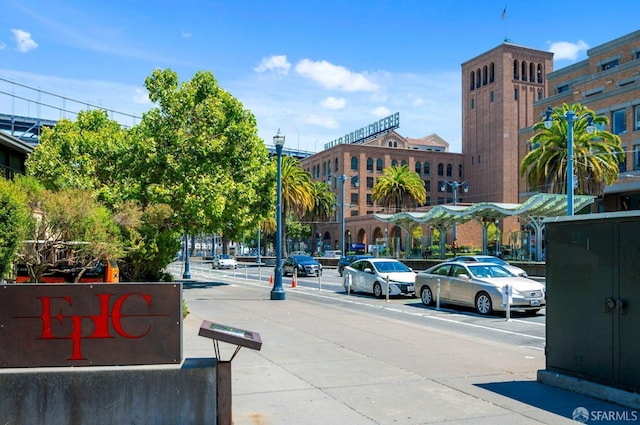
<point>90,324</point>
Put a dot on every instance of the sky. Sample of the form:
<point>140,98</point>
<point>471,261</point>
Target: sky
<point>316,70</point>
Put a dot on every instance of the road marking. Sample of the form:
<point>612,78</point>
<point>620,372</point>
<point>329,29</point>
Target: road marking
<point>305,290</point>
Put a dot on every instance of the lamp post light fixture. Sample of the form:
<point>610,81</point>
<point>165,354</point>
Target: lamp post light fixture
<point>454,185</point>
<point>277,292</point>
<point>356,183</point>
<point>570,118</point>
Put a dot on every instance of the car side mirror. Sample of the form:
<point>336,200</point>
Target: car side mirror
<point>464,276</point>
<point>368,270</point>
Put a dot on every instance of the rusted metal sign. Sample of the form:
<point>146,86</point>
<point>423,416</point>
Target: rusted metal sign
<point>90,324</point>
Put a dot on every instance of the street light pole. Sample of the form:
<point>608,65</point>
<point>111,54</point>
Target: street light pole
<point>342,252</point>
<point>454,185</point>
<point>570,118</point>
<point>277,293</point>
<point>187,269</point>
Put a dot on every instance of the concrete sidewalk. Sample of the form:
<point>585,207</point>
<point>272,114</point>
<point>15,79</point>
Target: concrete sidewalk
<point>329,364</point>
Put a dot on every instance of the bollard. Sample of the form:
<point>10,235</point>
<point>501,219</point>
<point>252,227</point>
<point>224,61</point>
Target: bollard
<point>438,295</point>
<point>386,279</point>
<point>506,301</point>
<point>319,281</point>
<point>348,278</point>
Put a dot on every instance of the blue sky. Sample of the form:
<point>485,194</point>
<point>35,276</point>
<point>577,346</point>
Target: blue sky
<point>315,69</point>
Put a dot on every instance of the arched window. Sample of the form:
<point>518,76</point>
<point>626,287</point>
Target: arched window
<point>478,81</point>
<point>472,79</point>
<point>379,165</point>
<point>390,144</point>
<point>440,169</point>
<point>427,169</point>
<point>449,170</point>
<point>336,165</point>
<point>403,162</point>
<point>492,72</point>
<point>460,170</point>
<point>485,75</point>
<point>532,72</point>
<point>539,73</point>
<point>523,77</point>
<point>369,164</point>
<point>418,167</point>
<point>394,163</point>
<point>516,67</point>
<point>354,163</point>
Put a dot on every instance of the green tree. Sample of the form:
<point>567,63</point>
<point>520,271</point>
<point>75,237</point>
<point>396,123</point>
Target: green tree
<point>596,155</point>
<point>297,192</point>
<point>14,219</point>
<point>198,151</point>
<point>68,228</point>
<point>399,188</point>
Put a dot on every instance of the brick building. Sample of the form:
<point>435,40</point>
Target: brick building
<point>607,82</point>
<point>504,92</point>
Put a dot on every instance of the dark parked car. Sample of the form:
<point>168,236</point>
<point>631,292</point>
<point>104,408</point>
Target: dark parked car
<point>346,261</point>
<point>304,264</point>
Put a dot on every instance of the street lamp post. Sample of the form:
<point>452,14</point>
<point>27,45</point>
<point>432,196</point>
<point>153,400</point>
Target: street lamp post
<point>454,185</point>
<point>343,178</point>
<point>277,293</point>
<point>570,118</point>
<point>187,269</point>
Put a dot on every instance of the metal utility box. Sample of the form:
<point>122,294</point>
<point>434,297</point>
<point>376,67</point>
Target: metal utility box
<point>593,294</point>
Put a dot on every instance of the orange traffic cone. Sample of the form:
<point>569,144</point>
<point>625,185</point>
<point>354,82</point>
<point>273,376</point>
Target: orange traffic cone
<point>293,281</point>
<point>271,280</point>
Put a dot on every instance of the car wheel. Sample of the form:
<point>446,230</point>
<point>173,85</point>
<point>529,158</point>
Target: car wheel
<point>377,290</point>
<point>426,296</point>
<point>340,271</point>
<point>532,312</point>
<point>483,303</point>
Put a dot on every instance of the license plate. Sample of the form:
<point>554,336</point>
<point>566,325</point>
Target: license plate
<point>411,288</point>
<point>535,303</point>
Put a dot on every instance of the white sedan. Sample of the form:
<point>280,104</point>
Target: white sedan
<point>224,261</point>
<point>479,285</point>
<point>372,274</point>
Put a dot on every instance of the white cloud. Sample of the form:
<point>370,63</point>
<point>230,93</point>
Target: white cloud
<point>566,50</point>
<point>2,45</point>
<point>23,40</point>
<point>334,103</point>
<point>325,122</point>
<point>185,34</point>
<point>335,77</point>
<point>417,101</point>
<point>275,63</point>
<point>380,112</point>
<point>141,97</point>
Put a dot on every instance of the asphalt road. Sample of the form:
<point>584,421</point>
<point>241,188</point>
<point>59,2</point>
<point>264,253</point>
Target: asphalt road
<point>519,330</point>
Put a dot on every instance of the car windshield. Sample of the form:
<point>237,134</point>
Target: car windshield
<point>303,259</point>
<point>494,260</point>
<point>391,266</point>
<point>225,257</point>
<point>486,270</point>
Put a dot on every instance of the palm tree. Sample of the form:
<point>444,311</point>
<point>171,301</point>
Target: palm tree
<point>596,155</point>
<point>323,207</point>
<point>297,192</point>
<point>399,187</point>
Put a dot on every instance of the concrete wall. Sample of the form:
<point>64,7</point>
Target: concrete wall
<point>158,394</point>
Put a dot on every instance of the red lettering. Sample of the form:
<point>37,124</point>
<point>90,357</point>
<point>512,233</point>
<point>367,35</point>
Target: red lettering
<point>47,332</point>
<point>117,316</point>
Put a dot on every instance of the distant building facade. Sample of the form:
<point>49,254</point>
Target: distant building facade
<point>607,82</point>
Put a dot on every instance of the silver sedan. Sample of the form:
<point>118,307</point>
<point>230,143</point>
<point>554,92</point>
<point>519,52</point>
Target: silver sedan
<point>479,285</point>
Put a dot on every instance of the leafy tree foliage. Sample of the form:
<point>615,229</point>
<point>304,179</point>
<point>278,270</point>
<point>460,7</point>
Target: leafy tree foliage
<point>198,152</point>
<point>14,219</point>
<point>596,155</point>
<point>67,228</point>
<point>399,187</point>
